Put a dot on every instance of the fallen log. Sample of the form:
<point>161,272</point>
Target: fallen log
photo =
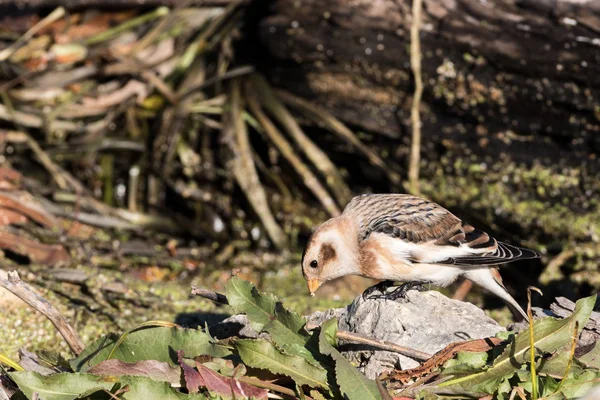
<point>522,71</point>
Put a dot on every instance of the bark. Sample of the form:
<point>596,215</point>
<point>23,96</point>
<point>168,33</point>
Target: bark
<point>524,72</point>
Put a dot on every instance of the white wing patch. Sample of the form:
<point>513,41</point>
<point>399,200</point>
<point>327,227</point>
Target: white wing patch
<point>429,252</point>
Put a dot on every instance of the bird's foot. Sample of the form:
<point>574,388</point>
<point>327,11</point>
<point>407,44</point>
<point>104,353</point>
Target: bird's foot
<point>400,291</point>
<point>381,287</point>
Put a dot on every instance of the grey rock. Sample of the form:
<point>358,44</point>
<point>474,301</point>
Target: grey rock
<point>425,321</point>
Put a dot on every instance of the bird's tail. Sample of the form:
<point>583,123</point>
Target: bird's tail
<point>489,278</point>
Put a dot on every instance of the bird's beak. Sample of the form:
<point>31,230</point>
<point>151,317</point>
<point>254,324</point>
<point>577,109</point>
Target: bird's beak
<point>313,285</point>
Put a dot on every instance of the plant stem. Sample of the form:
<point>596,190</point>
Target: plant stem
<point>415,117</point>
<point>127,25</point>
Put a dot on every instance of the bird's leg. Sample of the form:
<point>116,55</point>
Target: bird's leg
<point>400,292</point>
<point>380,287</point>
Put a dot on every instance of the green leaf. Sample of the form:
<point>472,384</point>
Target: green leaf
<point>265,313</point>
<point>548,385</point>
<point>576,386</point>
<point>142,388</point>
<point>550,334</point>
<point>557,364</point>
<point>64,386</point>
<point>68,386</point>
<point>259,353</point>
<point>157,343</point>
<point>351,382</point>
<point>465,362</point>
<point>591,359</point>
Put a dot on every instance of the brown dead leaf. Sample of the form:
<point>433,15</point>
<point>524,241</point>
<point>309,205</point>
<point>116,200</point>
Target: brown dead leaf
<point>150,273</point>
<point>82,26</point>
<point>132,88</point>
<point>193,380</point>
<point>77,229</point>
<point>440,358</point>
<point>51,255</point>
<point>9,174</point>
<point>19,23</point>
<point>25,204</point>
<point>229,387</point>
<point>8,217</point>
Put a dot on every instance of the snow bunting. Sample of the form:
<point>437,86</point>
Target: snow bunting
<point>404,238</point>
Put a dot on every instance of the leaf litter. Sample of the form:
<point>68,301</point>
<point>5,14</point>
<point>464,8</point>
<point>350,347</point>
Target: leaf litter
<point>190,363</point>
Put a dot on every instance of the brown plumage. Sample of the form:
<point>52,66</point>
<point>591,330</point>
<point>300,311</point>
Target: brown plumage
<point>405,238</point>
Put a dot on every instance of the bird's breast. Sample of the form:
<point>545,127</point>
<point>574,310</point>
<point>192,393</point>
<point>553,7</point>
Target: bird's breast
<point>378,261</point>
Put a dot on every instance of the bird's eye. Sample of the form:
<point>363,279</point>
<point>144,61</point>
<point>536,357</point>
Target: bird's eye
<point>314,264</point>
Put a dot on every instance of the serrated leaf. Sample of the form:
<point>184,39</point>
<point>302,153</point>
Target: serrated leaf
<point>259,353</point>
<point>550,335</point>
<point>352,384</point>
<point>157,343</point>
<point>63,386</point>
<point>265,313</point>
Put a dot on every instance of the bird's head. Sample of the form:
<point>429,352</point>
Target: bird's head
<point>331,252</point>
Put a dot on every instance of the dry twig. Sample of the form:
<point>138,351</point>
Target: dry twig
<point>319,115</point>
<point>379,344</point>
<point>317,156</point>
<point>210,295</point>
<point>309,179</point>
<point>11,282</point>
<point>245,173</point>
<point>415,64</point>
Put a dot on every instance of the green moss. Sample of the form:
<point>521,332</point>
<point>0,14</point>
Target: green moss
<point>516,195</point>
<point>549,207</point>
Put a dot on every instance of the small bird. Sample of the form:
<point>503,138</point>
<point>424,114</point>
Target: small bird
<point>405,238</point>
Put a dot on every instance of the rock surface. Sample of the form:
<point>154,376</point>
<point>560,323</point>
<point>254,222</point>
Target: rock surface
<point>425,321</point>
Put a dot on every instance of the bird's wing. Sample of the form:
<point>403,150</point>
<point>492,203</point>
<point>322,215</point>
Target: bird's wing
<point>425,232</point>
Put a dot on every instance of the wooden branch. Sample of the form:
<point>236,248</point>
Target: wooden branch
<point>27,293</point>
